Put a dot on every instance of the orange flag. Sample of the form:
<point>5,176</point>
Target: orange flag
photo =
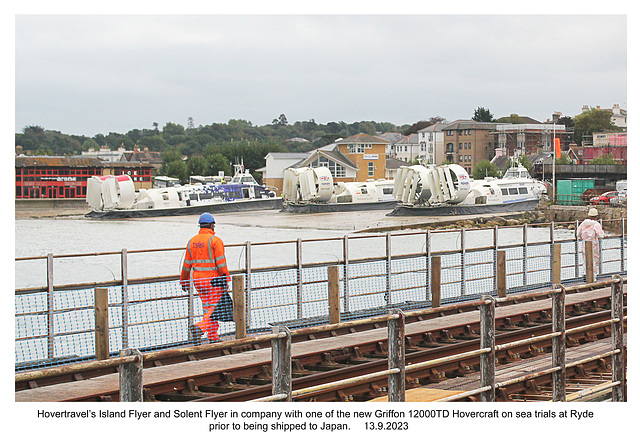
<point>558,151</point>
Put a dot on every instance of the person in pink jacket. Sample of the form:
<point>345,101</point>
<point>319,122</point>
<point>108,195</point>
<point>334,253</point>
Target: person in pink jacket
<point>591,230</point>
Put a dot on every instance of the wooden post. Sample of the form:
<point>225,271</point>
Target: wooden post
<point>501,272</point>
<point>50,307</point>
<point>239,314</point>
<point>617,339</point>
<point>101,298</point>
<point>558,345</point>
<point>556,264</point>
<point>588,260</point>
<point>435,281</point>
<point>333,274</point>
<point>395,356</point>
<point>488,340</point>
<point>281,363</point>
<point>131,377</point>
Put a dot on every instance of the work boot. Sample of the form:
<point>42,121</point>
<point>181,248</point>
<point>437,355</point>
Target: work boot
<point>195,334</point>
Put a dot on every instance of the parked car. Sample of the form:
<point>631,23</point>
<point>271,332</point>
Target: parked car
<point>607,197</point>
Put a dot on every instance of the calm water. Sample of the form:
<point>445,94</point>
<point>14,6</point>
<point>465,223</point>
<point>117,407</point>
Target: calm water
<point>37,237</point>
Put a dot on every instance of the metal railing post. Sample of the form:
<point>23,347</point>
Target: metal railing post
<point>495,256</point>
<point>622,246</point>
<point>239,308</point>
<point>577,250</point>
<point>345,274</point>
<point>617,339</point>
<point>462,261</point>
<point>101,310</point>
<point>524,254</point>
<point>395,327</point>
<point>488,340</point>
<point>281,362</point>
<point>124,268</point>
<point>558,345</point>
<point>247,284</point>
<point>427,264</point>
<point>131,377</point>
<point>388,269</point>
<point>299,274</point>
<point>50,307</point>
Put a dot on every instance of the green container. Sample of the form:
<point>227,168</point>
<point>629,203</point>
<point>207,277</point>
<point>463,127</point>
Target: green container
<point>570,191</point>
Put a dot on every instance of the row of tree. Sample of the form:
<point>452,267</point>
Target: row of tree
<point>214,147</point>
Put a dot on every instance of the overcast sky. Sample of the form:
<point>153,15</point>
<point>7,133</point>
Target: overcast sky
<point>90,74</point>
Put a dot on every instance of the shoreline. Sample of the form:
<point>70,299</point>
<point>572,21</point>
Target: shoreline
<point>372,221</point>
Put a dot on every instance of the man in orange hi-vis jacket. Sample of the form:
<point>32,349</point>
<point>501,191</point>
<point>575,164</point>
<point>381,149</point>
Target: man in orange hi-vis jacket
<point>205,257</point>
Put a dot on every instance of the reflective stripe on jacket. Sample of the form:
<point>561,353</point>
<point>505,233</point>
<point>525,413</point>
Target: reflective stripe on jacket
<point>205,256</point>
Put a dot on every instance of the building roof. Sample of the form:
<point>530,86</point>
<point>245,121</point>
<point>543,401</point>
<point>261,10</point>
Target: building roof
<point>153,157</point>
<point>58,161</point>
<point>469,124</point>
<point>437,127</point>
<point>71,161</point>
<point>363,138</point>
<point>334,155</point>
<point>411,139</point>
<point>276,155</point>
<point>392,137</point>
<point>394,164</point>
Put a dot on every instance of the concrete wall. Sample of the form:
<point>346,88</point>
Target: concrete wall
<point>51,203</point>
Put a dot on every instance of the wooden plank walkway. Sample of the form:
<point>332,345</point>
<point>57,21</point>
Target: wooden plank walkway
<point>504,373</point>
<point>109,384</point>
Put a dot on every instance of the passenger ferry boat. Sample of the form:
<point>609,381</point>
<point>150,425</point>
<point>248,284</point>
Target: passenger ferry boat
<point>312,190</point>
<point>448,190</point>
<point>115,197</point>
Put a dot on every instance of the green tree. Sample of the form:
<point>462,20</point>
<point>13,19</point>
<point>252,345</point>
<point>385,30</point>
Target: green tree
<point>563,160</point>
<point>177,169</point>
<point>607,159</point>
<point>590,122</point>
<point>217,162</point>
<point>280,121</point>
<point>90,143</point>
<point>483,169</point>
<point>525,162</point>
<point>197,165</point>
<point>482,115</point>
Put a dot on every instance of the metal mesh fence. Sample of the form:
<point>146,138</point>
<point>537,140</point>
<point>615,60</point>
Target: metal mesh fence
<point>60,326</point>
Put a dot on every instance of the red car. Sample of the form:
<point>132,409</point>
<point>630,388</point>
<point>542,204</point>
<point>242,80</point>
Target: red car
<point>606,198</point>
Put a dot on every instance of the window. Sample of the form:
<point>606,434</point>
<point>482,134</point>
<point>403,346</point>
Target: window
<point>513,191</point>
<point>522,190</point>
<point>504,191</point>
<point>371,168</point>
<point>358,148</point>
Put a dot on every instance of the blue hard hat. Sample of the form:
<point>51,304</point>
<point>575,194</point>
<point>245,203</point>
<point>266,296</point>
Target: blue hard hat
<point>206,218</point>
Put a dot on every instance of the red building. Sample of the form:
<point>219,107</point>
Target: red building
<point>66,177</point>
